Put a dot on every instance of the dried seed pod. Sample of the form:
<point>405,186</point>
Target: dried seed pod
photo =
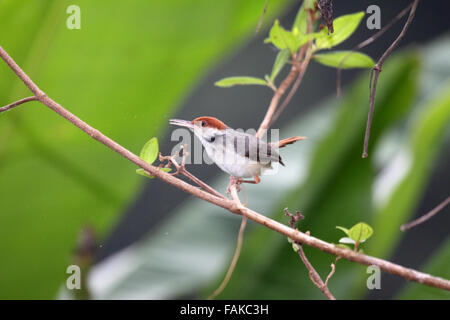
<point>326,10</point>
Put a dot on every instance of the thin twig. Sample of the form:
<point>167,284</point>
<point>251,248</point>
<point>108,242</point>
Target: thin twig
<point>333,269</point>
<point>285,84</point>
<point>234,261</point>
<point>181,169</point>
<point>366,43</point>
<point>305,53</point>
<point>230,205</point>
<point>376,72</point>
<point>17,103</point>
<point>294,88</point>
<point>427,216</point>
<point>313,274</point>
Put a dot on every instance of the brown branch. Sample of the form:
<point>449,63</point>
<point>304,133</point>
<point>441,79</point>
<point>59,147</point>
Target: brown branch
<point>427,216</point>
<point>297,72</point>
<point>376,72</point>
<point>265,124</point>
<point>230,205</point>
<point>366,43</point>
<point>302,67</point>
<point>17,103</point>
<point>313,274</point>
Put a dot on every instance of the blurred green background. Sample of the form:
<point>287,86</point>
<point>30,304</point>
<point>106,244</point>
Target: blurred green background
<point>135,64</point>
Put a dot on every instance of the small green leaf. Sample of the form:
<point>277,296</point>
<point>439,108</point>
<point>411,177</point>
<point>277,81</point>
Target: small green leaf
<point>295,247</point>
<point>289,240</point>
<point>345,230</point>
<point>144,173</point>
<point>345,59</point>
<point>300,22</point>
<point>360,232</point>
<point>232,81</point>
<point>280,61</point>
<point>309,4</point>
<point>150,151</point>
<point>347,240</point>
<point>344,27</point>
<point>283,39</point>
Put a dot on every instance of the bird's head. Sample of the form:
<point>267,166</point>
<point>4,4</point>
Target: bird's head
<point>205,128</point>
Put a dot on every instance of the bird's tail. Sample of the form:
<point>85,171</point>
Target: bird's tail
<point>284,142</point>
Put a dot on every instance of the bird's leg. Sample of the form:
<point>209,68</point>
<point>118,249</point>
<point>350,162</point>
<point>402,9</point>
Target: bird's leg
<point>237,181</point>
<point>256,181</point>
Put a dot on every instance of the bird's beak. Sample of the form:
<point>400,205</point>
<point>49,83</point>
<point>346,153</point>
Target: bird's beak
<point>182,123</point>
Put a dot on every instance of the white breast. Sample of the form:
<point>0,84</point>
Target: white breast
<point>231,162</point>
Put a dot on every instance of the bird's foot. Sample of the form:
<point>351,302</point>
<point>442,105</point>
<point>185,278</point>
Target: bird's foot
<point>234,181</point>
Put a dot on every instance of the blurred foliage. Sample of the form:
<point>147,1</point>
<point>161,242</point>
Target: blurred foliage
<point>124,72</point>
<point>326,180</point>
<point>438,264</point>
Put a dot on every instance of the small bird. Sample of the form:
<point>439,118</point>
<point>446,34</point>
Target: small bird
<point>239,154</point>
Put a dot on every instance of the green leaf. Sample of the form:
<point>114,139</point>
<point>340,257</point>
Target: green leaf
<point>144,173</point>
<point>347,240</point>
<point>284,39</point>
<point>345,59</point>
<point>232,81</point>
<point>345,230</point>
<point>280,61</point>
<point>295,247</point>
<point>360,232</point>
<point>344,26</point>
<point>300,22</point>
<point>149,151</point>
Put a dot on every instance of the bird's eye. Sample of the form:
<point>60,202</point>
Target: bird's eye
<point>212,139</point>
<point>203,123</point>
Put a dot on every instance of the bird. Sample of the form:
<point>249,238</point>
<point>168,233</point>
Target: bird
<point>241,155</point>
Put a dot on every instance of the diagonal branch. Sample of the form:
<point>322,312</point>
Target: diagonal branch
<point>427,216</point>
<point>230,205</point>
<point>297,72</point>
<point>376,72</point>
<point>17,103</point>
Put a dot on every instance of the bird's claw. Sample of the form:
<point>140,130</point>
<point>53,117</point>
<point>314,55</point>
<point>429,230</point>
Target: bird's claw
<point>234,182</point>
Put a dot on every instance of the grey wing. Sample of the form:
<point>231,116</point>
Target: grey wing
<point>257,149</point>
